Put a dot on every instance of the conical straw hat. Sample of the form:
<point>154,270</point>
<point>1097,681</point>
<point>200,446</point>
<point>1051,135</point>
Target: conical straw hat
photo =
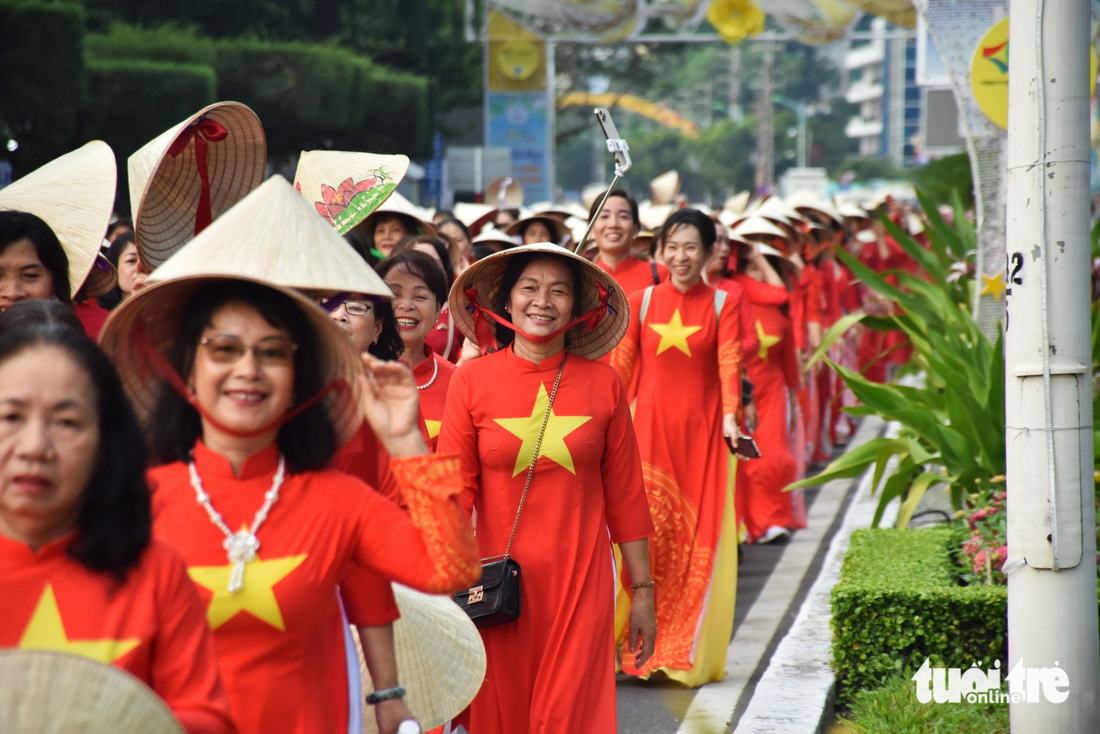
<point>653,216</point>
<point>54,693</point>
<point>504,193</point>
<point>758,226</point>
<point>665,187</point>
<point>440,658</point>
<point>776,209</point>
<point>165,190</point>
<point>398,204</point>
<point>558,229</point>
<point>807,200</point>
<point>101,280</point>
<point>346,187</point>
<point>74,194</point>
<point>475,216</point>
<point>485,277</point>
<point>781,261</point>
<point>494,236</point>
<point>737,203</point>
<point>847,209</point>
<point>275,236</point>
<point>157,311</point>
<point>590,194</point>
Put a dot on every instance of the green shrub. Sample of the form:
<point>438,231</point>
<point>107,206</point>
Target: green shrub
<point>898,601</point>
<point>131,102</point>
<point>42,82</point>
<point>306,95</point>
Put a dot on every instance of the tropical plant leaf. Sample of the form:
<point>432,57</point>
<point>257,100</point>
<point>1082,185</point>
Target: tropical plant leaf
<point>895,487</point>
<point>834,332</point>
<point>917,489</point>
<point>851,463</point>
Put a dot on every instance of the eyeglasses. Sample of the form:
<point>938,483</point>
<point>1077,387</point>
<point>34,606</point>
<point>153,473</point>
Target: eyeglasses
<point>271,352</point>
<point>358,308</point>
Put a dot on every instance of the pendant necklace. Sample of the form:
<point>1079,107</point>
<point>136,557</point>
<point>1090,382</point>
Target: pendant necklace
<point>242,545</point>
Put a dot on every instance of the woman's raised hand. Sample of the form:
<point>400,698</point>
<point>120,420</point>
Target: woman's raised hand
<point>391,406</point>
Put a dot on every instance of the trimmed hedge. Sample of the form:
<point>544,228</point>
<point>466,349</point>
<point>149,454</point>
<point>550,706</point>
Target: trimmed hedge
<point>306,95</point>
<point>42,82</point>
<point>131,102</point>
<point>898,601</point>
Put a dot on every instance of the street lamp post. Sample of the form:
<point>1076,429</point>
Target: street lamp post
<point>1051,564</point>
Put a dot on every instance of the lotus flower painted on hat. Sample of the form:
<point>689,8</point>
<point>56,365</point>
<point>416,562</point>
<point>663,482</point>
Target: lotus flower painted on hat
<point>351,200</point>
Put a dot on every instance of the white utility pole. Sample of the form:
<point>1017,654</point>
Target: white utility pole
<point>1052,617</point>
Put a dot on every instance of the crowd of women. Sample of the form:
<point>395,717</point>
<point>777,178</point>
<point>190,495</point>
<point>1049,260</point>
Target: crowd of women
<point>303,393</point>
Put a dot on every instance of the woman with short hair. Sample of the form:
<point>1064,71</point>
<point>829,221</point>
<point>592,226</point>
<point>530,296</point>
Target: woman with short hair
<point>79,571</point>
<point>549,314</point>
<point>682,355</point>
<point>419,292</point>
<point>443,338</point>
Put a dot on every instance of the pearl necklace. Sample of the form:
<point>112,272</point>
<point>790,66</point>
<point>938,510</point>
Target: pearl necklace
<point>435,374</point>
<point>242,545</point>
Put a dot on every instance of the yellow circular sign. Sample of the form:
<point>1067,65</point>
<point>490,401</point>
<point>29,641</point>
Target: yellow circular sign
<point>518,59</point>
<point>989,74</point>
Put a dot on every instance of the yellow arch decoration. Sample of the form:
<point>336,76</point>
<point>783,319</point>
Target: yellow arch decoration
<point>658,112</point>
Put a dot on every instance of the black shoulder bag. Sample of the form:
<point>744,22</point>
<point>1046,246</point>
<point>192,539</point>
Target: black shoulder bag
<point>496,600</point>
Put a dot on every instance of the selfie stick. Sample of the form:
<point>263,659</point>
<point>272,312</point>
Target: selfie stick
<point>618,148</point>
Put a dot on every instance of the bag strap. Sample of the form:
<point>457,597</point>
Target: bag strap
<point>656,275</point>
<point>534,460</point>
<point>646,298</point>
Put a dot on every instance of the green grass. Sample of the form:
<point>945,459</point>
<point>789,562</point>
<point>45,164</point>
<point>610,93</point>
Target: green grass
<point>894,709</point>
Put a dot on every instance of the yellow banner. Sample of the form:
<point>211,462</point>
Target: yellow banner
<point>517,56</point>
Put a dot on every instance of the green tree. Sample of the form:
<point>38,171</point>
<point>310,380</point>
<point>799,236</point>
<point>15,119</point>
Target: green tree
<point>42,80</point>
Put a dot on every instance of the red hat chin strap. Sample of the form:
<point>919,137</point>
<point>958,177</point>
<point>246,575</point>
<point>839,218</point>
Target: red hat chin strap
<point>201,131</point>
<point>483,330</point>
<point>164,368</point>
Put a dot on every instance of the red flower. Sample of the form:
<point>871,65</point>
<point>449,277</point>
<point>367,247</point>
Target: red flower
<point>336,200</point>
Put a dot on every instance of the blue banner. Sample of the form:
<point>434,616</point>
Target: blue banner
<point>519,120</point>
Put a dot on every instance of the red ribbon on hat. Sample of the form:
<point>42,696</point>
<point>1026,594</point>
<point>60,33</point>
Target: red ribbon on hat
<point>165,369</point>
<point>483,330</point>
<point>201,131</point>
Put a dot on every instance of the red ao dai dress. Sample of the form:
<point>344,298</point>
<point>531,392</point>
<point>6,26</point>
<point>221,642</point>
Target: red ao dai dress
<point>551,670</point>
<point>686,361</point>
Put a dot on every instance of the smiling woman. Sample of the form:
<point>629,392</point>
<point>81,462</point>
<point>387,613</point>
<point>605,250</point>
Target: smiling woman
<point>76,561</point>
<point>419,291</point>
<point>681,357</point>
<point>255,386</point>
<point>555,314</point>
<point>32,262</point>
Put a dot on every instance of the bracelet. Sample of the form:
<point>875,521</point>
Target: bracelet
<point>644,585</point>
<point>386,694</point>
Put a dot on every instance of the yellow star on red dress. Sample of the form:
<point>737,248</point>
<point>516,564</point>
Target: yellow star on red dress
<point>256,597</point>
<point>433,427</point>
<point>553,442</point>
<point>767,341</point>
<point>674,334</point>
<point>45,631</point>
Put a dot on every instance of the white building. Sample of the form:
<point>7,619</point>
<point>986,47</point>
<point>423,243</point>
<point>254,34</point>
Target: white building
<point>882,81</point>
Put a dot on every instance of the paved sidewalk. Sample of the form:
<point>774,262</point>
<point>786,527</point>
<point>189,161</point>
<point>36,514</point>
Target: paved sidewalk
<point>773,582</point>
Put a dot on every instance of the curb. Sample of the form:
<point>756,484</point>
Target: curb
<point>797,692</point>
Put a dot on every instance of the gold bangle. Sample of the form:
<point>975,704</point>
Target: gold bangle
<point>644,585</point>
